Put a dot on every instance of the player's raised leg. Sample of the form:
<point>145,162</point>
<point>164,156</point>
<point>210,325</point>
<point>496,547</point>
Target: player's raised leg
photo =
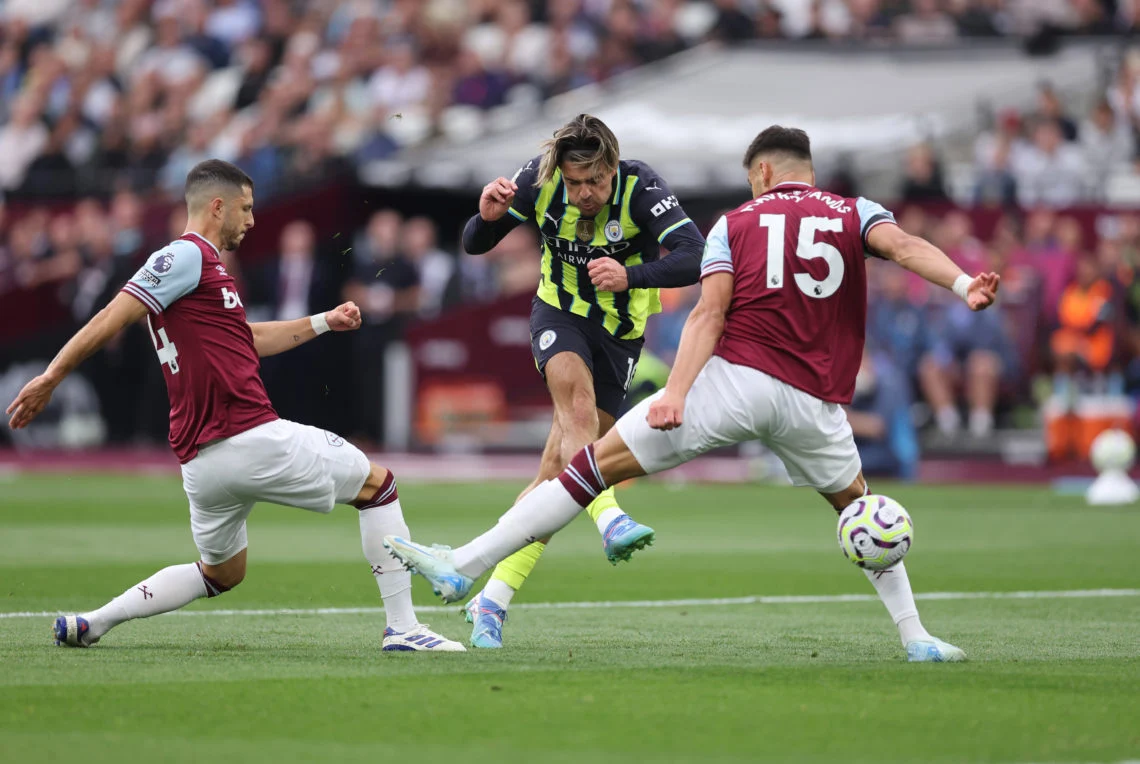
<point>583,418</point>
<point>541,513</point>
<point>380,513</point>
<point>572,390</point>
<point>893,588</point>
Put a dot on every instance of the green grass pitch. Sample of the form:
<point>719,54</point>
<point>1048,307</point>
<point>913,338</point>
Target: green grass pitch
<point>1050,679</point>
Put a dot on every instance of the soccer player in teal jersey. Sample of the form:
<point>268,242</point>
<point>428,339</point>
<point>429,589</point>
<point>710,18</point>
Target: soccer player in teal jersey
<point>602,221</point>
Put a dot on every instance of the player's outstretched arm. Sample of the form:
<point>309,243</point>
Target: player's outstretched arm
<point>273,337</point>
<point>702,331</point>
<point>919,256</point>
<point>103,326</point>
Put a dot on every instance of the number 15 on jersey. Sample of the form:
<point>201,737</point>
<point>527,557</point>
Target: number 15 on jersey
<point>807,248</point>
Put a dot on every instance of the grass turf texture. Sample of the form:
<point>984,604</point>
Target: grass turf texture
<point>1049,679</point>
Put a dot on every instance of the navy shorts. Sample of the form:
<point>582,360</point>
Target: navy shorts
<point>610,360</point>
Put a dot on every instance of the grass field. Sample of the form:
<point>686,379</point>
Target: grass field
<point>1050,678</point>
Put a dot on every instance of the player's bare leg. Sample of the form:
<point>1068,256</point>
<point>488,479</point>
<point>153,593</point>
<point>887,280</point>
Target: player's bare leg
<point>378,503</point>
<point>983,376</point>
<point>893,588</point>
<point>169,589</point>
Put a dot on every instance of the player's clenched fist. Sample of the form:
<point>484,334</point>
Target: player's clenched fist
<point>344,318</point>
<point>666,412</point>
<point>608,275</point>
<point>496,198</point>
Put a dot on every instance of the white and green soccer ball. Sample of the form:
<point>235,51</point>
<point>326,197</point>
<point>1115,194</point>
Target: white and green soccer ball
<point>1112,450</point>
<point>875,532</point>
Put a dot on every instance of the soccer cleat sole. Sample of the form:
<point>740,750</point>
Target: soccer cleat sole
<point>626,552</point>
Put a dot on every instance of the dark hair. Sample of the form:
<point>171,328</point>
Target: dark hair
<point>790,141</point>
<point>584,140</point>
<point>215,172</point>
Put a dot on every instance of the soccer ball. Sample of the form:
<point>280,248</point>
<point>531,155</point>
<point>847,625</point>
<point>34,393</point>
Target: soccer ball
<point>875,532</point>
<point>1112,450</point>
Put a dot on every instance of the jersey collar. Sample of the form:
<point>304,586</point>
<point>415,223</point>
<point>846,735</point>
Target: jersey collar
<point>787,183</point>
<point>203,238</point>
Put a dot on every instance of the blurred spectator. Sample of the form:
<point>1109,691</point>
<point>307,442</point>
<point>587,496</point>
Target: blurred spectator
<point>1084,341</point>
<point>996,152</point>
<point>976,18</point>
<point>1091,18</point>
<point>386,287</point>
<point>896,325</point>
<point>22,138</point>
<point>955,236</point>
<point>485,87</point>
<point>925,24</point>
<point>970,353</point>
<point>923,176</point>
<point>297,283</point>
<point>1051,172</point>
<point>1050,108</point>
<point>880,419</point>
<point>126,221</point>
<point>434,267</point>
<point>663,333</point>
<point>518,266</point>
<point>401,83</point>
<point>732,25</point>
<point>1108,144</point>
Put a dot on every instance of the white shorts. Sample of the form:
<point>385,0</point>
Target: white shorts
<point>731,404</point>
<point>281,462</point>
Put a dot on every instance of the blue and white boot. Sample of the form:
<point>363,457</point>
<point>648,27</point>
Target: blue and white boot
<point>623,537</point>
<point>420,639</point>
<point>72,631</point>
<point>933,650</point>
<point>488,619</point>
<point>435,563</point>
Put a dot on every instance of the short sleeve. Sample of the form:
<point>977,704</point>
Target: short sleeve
<point>522,208</point>
<point>717,257</point>
<point>870,215</point>
<point>170,273</point>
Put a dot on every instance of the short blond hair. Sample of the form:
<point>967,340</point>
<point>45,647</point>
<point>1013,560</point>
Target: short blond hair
<point>584,140</point>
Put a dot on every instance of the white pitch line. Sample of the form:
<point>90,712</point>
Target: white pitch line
<point>809,599</point>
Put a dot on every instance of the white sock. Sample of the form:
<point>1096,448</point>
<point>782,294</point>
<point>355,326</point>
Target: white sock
<point>168,589</point>
<point>608,516</point>
<point>948,420</point>
<point>394,581</point>
<point>541,513</point>
<point>981,422</point>
<point>893,586</point>
<point>499,592</point>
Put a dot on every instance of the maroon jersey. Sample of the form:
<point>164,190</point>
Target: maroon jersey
<point>205,346</point>
<point>799,299</point>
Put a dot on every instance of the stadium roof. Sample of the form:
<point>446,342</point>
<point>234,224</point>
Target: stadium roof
<point>692,116</point>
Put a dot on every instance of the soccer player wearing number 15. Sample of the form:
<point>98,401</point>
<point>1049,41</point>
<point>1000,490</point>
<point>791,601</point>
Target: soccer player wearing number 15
<point>770,352</point>
<point>234,449</point>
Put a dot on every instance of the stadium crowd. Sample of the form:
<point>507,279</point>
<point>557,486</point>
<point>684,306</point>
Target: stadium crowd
<point>105,106</point>
<point>98,95</point>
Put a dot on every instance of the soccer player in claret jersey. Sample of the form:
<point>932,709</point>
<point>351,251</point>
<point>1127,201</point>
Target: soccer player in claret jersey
<point>233,448</point>
<point>770,352</point>
<point>602,220</point>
